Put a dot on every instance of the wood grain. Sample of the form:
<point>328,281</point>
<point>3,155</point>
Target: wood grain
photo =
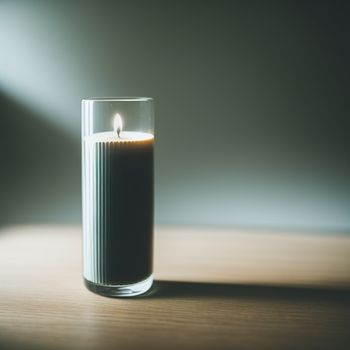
<point>215,289</point>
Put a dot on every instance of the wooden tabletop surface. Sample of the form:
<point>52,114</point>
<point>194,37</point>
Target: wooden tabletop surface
<point>214,289</point>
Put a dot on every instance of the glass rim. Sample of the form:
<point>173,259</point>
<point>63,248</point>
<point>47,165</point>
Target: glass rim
<point>118,99</point>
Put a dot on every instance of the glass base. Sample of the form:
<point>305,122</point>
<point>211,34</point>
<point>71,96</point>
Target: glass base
<point>120,290</point>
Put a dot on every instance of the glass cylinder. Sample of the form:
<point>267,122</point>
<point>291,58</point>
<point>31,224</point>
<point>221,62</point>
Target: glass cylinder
<point>118,194</point>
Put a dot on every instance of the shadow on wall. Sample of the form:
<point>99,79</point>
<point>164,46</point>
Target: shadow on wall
<point>40,168</point>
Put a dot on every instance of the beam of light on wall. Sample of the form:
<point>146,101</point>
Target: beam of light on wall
<point>40,65</point>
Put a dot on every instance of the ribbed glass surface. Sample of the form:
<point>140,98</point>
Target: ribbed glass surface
<point>118,211</point>
<point>96,211</point>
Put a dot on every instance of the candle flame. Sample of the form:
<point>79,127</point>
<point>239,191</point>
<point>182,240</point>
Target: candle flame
<point>118,124</point>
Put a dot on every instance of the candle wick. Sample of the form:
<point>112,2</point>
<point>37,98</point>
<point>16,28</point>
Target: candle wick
<point>118,132</point>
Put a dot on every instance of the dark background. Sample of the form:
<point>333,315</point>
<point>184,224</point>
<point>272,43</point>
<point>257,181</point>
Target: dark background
<point>252,106</point>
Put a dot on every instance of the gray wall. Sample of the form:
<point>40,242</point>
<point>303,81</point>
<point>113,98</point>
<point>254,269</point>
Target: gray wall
<point>252,105</point>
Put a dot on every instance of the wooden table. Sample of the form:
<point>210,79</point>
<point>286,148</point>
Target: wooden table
<point>215,289</point>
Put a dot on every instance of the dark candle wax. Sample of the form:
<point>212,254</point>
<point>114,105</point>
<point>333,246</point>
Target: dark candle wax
<point>121,241</point>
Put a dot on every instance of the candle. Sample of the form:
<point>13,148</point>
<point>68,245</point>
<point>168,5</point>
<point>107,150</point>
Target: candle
<point>118,210</point>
